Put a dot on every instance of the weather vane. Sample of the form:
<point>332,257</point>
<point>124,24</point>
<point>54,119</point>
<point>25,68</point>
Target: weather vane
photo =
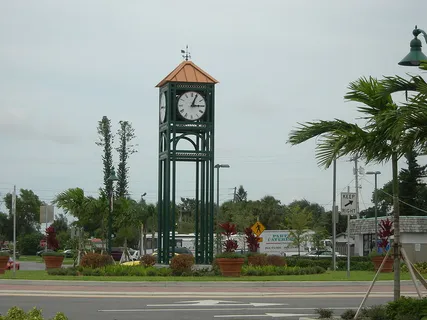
<point>185,53</point>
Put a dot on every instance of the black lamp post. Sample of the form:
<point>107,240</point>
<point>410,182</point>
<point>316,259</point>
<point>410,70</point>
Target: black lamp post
<point>415,56</point>
<point>111,178</point>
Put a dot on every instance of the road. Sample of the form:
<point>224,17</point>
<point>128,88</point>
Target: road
<point>179,300</point>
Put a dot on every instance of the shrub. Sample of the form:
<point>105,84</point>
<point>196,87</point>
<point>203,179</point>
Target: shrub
<point>252,240</point>
<point>324,313</point>
<point>16,313</point>
<point>229,229</point>
<point>181,264</point>
<point>277,261</point>
<point>51,240</point>
<point>283,271</point>
<point>163,272</point>
<point>29,243</point>
<point>147,260</point>
<point>95,260</point>
<point>348,314</point>
<point>406,306</point>
<point>257,260</point>
<point>420,266</point>
<point>375,313</point>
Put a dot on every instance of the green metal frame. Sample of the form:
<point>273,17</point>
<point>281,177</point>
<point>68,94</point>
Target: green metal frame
<point>200,134</point>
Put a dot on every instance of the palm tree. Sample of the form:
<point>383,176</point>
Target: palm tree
<point>382,137</point>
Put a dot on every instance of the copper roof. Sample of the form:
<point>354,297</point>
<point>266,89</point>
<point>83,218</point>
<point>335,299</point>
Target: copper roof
<point>187,71</point>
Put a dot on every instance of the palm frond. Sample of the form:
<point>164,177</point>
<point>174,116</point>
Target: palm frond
<point>365,91</point>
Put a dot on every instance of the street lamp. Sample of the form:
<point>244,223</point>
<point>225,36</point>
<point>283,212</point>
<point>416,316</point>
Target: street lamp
<point>376,173</point>
<point>111,178</point>
<point>415,56</point>
<point>217,166</point>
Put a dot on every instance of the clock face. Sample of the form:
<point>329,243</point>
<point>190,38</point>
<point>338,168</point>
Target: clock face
<point>162,111</point>
<point>191,105</point>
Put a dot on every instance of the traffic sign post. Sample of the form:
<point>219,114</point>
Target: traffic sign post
<point>348,208</point>
<point>348,203</point>
<point>258,228</point>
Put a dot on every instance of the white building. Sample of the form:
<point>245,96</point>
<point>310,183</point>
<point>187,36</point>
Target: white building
<point>413,231</point>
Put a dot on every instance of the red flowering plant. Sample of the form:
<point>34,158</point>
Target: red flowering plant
<point>384,233</point>
<point>252,240</point>
<point>230,245</point>
<point>51,242</point>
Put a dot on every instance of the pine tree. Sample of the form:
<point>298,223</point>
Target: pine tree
<point>126,134</point>
<point>106,140</point>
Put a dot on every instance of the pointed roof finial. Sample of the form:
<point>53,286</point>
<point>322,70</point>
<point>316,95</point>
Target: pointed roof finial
<point>185,53</point>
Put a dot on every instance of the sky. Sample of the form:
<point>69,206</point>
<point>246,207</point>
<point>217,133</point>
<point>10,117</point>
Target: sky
<point>66,64</point>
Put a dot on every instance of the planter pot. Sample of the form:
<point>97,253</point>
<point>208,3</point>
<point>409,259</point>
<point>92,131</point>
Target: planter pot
<point>230,267</point>
<point>53,262</point>
<point>3,263</point>
<point>388,264</point>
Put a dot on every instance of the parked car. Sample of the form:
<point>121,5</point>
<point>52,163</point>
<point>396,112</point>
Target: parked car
<point>324,254</point>
<point>10,263</point>
<point>39,253</point>
<point>69,253</point>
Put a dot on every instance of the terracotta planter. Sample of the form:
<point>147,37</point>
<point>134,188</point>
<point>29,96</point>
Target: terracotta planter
<point>53,262</point>
<point>230,267</point>
<point>3,263</point>
<point>388,265</point>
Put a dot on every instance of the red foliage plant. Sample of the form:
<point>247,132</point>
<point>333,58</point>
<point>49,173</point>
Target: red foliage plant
<point>384,234</point>
<point>52,242</point>
<point>252,240</point>
<point>229,229</point>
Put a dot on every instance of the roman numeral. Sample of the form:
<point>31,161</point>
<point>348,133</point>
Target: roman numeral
<point>201,111</point>
<point>182,110</point>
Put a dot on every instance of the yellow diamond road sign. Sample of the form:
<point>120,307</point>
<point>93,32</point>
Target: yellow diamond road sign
<point>258,228</point>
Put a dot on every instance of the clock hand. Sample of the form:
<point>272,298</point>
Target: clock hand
<point>192,104</point>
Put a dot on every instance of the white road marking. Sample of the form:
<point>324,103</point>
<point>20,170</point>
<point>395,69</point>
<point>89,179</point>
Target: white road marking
<point>272,315</point>
<point>216,309</point>
<point>220,303</point>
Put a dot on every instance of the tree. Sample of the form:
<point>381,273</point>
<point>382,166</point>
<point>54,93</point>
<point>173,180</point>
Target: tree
<point>126,134</point>
<point>241,194</point>
<point>6,228</point>
<point>297,221</point>
<point>27,211</point>
<point>385,135</point>
<point>412,191</point>
<point>90,212</point>
<point>106,140</point>
<point>60,223</point>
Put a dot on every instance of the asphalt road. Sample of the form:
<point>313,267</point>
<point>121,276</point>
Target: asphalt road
<point>100,300</point>
<point>185,308</point>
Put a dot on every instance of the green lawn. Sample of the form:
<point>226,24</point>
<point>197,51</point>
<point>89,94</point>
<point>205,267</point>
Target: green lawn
<point>40,259</point>
<point>328,276</point>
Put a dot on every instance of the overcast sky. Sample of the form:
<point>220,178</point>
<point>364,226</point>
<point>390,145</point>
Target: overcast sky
<point>65,64</point>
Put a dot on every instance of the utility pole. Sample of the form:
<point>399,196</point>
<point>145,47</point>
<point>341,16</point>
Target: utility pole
<point>234,195</point>
<point>356,173</point>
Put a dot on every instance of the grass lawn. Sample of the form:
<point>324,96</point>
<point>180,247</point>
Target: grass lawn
<point>328,276</point>
<point>40,259</point>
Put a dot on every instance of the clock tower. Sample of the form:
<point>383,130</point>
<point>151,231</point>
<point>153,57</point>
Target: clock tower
<point>186,134</point>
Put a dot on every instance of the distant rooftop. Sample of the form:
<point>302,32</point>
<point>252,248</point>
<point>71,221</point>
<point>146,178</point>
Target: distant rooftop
<point>417,224</point>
